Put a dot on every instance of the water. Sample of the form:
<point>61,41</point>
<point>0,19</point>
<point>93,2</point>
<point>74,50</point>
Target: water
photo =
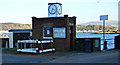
<point>110,37</point>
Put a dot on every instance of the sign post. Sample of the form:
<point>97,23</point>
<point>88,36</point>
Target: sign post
<point>104,30</point>
<point>103,18</point>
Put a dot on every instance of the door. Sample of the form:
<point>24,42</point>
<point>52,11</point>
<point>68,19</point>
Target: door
<point>87,45</point>
<point>71,37</point>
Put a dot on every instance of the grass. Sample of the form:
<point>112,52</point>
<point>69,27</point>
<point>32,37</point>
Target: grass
<point>9,51</point>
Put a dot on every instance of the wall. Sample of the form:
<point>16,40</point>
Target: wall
<point>10,39</point>
<point>20,36</point>
<point>4,42</point>
<point>117,42</point>
<point>87,44</point>
<point>55,22</point>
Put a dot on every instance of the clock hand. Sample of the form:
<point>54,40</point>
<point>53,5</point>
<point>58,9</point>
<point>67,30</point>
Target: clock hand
<point>52,9</point>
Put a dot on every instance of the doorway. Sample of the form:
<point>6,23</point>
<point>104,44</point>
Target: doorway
<point>87,47</point>
<point>71,37</point>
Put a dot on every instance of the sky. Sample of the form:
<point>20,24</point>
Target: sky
<point>21,11</point>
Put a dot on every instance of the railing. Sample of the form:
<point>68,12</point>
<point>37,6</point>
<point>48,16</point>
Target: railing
<point>110,44</point>
<point>34,46</point>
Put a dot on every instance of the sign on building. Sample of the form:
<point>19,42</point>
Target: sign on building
<point>59,33</point>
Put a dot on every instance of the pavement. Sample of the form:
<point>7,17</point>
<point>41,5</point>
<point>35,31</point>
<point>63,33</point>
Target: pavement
<point>111,56</point>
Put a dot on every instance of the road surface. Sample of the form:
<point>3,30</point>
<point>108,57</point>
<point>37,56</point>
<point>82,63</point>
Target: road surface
<point>8,58</point>
<point>94,57</point>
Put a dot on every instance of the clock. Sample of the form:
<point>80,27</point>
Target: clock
<point>52,9</point>
<point>59,9</point>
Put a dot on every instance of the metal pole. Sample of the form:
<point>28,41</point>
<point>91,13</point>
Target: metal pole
<point>21,46</point>
<point>103,30</point>
<point>104,40</point>
<point>24,45</point>
<point>17,45</point>
<point>104,33</point>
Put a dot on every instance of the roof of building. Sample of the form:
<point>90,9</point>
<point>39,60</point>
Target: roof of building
<point>54,3</point>
<point>20,30</point>
<point>3,37</point>
<point>2,31</point>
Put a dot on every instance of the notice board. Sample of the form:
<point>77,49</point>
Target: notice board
<point>59,32</point>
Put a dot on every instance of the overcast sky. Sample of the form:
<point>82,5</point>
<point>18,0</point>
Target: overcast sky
<point>21,11</point>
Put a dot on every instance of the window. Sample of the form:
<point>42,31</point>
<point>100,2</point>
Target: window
<point>47,32</point>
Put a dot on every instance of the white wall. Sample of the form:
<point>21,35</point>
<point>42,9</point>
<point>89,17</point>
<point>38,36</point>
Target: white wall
<point>30,33</point>
<point>10,39</point>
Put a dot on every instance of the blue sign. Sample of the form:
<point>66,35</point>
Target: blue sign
<point>104,17</point>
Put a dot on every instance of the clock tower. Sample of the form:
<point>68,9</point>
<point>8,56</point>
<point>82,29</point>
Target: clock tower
<point>54,9</point>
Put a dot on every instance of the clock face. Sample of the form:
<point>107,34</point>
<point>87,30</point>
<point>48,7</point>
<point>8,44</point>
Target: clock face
<point>52,9</point>
<point>59,9</point>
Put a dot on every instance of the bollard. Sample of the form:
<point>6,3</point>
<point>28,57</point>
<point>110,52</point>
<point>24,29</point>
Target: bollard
<point>105,45</point>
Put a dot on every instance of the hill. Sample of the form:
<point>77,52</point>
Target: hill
<point>8,26</point>
<point>95,27</point>
<point>109,22</point>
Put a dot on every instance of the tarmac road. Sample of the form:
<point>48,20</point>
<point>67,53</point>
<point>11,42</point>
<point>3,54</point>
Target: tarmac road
<point>8,58</point>
<point>95,57</point>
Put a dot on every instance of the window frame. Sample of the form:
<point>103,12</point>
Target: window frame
<point>51,31</point>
